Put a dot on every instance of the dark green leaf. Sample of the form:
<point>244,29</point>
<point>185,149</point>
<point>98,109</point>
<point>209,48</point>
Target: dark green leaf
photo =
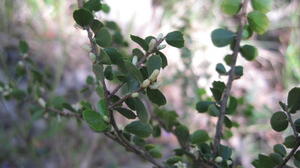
<point>290,141</point>
<point>297,124</point>
<point>294,100</point>
<point>239,71</point>
<point>249,52</point>
<point>222,37</point>
<point>199,136</point>
<point>182,133</point>
<point>108,73</point>
<point>23,46</point>
<point>95,121</point>
<point>175,39</point>
<point>140,42</point>
<point>92,5</point>
<point>280,149</point>
<point>141,110</point>
<point>83,17</point>
<point>96,25</point>
<point>279,121</point>
<point>103,37</point>
<point>102,107</point>
<point>156,97</point>
<point>154,62</point>
<point>164,59</point>
<point>220,68</point>
<point>126,113</point>
<point>202,106</point>
<point>297,155</point>
<point>156,131</point>
<point>139,128</point>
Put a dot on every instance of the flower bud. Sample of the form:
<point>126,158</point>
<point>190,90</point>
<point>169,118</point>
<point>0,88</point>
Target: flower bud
<point>162,46</point>
<point>229,162</point>
<point>42,102</point>
<point>160,36</point>
<point>135,94</point>
<point>152,44</point>
<point>92,57</point>
<point>154,75</point>
<point>218,159</point>
<point>145,83</point>
<point>105,118</point>
<point>21,64</point>
<point>134,60</point>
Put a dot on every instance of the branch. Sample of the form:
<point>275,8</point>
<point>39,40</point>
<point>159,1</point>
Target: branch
<point>231,77</point>
<point>292,124</point>
<point>64,114</point>
<point>290,154</point>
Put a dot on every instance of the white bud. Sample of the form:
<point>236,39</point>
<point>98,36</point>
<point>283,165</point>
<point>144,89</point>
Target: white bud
<point>6,87</point>
<point>25,55</point>
<point>155,85</point>
<point>135,94</point>
<point>152,44</point>
<point>218,159</point>
<point>6,93</point>
<point>42,102</point>
<point>92,57</point>
<point>134,60</point>
<point>229,162</point>
<point>154,75</point>
<point>105,118</point>
<point>180,165</point>
<point>21,64</point>
<point>77,106</point>
<point>160,36</point>
<point>162,46</point>
<point>145,83</point>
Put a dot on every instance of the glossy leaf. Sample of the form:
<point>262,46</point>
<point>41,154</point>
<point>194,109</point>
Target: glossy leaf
<point>156,97</point>
<point>139,129</point>
<point>280,149</point>
<point>95,121</point>
<point>175,39</point>
<point>249,52</point>
<point>83,17</point>
<point>290,141</point>
<point>222,37</point>
<point>140,42</point>
<point>126,113</point>
<point>154,62</point>
<point>103,37</point>
<point>279,121</point>
<point>220,68</point>
<point>258,22</point>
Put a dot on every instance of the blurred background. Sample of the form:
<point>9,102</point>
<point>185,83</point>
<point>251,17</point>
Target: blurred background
<point>57,44</point>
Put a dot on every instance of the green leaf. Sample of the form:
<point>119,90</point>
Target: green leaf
<point>182,133</point>
<point>227,122</point>
<point>239,71</point>
<point>233,103</point>
<point>104,58</point>
<point>297,155</point>
<point>277,158</point>
<point>263,6</point>
<point>83,17</point>
<point>202,106</point>
<point>294,100</point>
<point>199,136</point>
<point>134,72</point>
<point>228,59</point>
<point>249,52</point>
<point>175,39</point>
<point>280,149</point>
<point>174,159</point>
<point>231,7</point>
<point>23,46</point>
<point>108,73</point>
<point>103,37</point>
<point>266,161</point>
<point>102,107</point>
<point>96,25</point>
<point>220,68</point>
<point>213,110</point>
<point>95,121</point>
<point>217,89</point>
<point>141,110</point>
<point>164,59</point>
<point>140,42</point>
<point>290,141</point>
<point>105,8</point>
<point>115,56</point>
<point>155,152</point>
<point>139,129</point>
<point>126,113</point>
<point>297,163</point>
<point>247,32</point>
<point>225,152</point>
<point>297,124</point>
<point>92,5</point>
<point>222,37</point>
<point>156,97</point>
<point>154,62</point>
<point>156,131</point>
<point>258,22</point>
<point>279,121</point>
<point>137,52</point>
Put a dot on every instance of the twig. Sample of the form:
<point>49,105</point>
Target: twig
<point>292,123</point>
<point>124,98</point>
<point>292,152</point>
<point>64,114</point>
<point>139,64</point>
<point>231,77</point>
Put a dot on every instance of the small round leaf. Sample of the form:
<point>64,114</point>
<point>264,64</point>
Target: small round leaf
<point>83,17</point>
<point>279,121</point>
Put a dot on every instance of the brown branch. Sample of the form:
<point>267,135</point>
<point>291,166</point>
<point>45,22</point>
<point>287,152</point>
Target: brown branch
<point>64,114</point>
<point>231,77</point>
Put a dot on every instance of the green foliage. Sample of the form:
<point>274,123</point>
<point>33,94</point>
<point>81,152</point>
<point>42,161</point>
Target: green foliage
<point>294,100</point>
<point>139,129</point>
<point>258,22</point>
<point>263,6</point>
<point>95,121</point>
<point>222,37</point>
<point>249,52</point>
<point>279,121</point>
<point>83,17</point>
<point>231,7</point>
<point>175,39</point>
<point>199,136</point>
